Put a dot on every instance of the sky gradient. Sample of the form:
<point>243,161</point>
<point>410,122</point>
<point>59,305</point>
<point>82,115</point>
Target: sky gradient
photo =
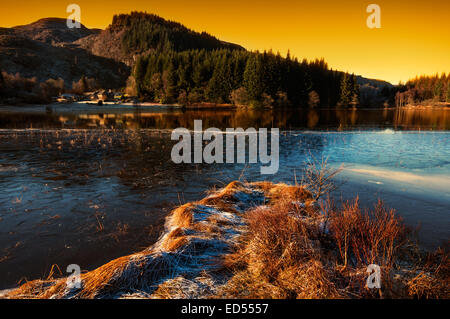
<point>414,38</point>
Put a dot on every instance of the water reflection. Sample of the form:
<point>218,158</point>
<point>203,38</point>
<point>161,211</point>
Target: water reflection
<point>88,186</point>
<point>321,119</point>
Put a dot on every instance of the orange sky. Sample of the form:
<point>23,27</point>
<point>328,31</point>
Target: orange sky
<point>414,37</point>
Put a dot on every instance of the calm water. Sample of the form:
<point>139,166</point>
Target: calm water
<point>84,185</point>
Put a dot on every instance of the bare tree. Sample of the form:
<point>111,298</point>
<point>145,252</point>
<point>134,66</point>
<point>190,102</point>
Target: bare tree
<point>239,97</point>
<point>318,177</point>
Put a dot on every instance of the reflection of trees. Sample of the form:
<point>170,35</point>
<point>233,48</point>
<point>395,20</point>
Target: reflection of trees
<point>428,119</point>
<point>340,118</point>
<point>313,118</point>
<point>28,120</point>
<point>348,118</point>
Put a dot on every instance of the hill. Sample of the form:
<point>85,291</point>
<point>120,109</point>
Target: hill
<point>373,82</point>
<point>48,49</point>
<point>131,35</point>
<point>52,31</point>
<point>31,58</point>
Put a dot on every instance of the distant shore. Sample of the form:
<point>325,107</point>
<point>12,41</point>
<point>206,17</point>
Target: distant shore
<point>427,106</point>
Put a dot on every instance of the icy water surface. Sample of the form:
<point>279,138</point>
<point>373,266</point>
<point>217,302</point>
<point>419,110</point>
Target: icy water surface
<point>84,186</point>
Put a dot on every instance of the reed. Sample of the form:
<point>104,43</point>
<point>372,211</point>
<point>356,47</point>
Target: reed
<point>265,240</point>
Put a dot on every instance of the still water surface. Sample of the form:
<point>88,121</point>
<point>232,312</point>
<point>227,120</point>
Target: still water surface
<point>85,185</point>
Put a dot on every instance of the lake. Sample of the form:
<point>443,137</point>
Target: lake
<point>85,185</point>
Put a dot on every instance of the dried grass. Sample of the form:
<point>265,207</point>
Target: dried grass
<point>291,250</point>
<point>182,217</point>
<point>280,250</point>
<point>433,281</point>
<point>174,240</point>
<point>286,193</point>
<point>264,240</point>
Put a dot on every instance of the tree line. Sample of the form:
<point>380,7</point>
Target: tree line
<point>242,78</point>
<point>15,88</point>
<point>144,31</point>
<point>424,89</point>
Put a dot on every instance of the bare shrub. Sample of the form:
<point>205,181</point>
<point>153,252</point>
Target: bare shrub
<point>51,88</point>
<point>267,101</point>
<point>367,237</point>
<point>131,87</point>
<point>84,85</point>
<point>318,177</point>
<point>29,90</point>
<point>239,97</point>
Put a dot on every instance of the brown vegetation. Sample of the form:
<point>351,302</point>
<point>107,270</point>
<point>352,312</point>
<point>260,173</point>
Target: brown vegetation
<point>293,251</point>
<point>425,90</point>
<point>14,87</point>
<point>265,240</point>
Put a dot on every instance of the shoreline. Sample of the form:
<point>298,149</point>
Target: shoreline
<point>218,248</point>
<point>213,106</point>
<point>439,106</point>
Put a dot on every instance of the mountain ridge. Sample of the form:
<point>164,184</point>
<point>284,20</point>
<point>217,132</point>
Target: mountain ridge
<point>44,49</point>
<point>48,49</point>
<point>52,31</point>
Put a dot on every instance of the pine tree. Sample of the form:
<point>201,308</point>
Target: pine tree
<point>354,90</point>
<point>437,92</point>
<point>346,90</point>
<point>448,93</point>
<point>139,74</point>
<point>253,78</point>
<point>211,76</point>
<point>219,86</point>
<point>168,80</point>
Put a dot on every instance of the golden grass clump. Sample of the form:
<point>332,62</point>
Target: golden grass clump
<point>203,286</point>
<point>309,280</point>
<point>277,239</point>
<point>279,256</point>
<point>224,199</point>
<point>174,240</point>
<point>433,281</point>
<point>182,217</point>
<point>227,192</point>
<point>426,286</point>
<point>208,229</point>
<point>100,280</point>
<point>244,285</point>
<point>264,186</point>
<point>292,250</point>
<point>265,240</point>
<point>283,192</point>
<point>30,290</point>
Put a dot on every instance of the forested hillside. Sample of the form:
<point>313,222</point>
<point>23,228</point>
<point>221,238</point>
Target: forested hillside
<point>145,31</point>
<point>242,78</point>
<point>170,63</point>
<point>425,90</point>
<point>137,33</point>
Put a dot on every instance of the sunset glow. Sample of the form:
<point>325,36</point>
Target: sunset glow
<point>413,39</point>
